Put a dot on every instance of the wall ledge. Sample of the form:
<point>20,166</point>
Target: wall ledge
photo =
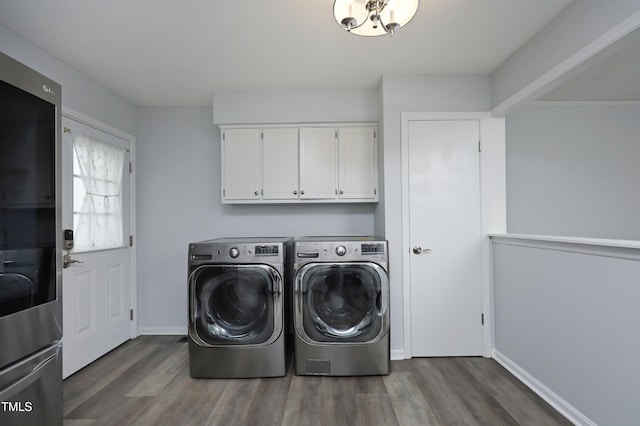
<point>622,249</point>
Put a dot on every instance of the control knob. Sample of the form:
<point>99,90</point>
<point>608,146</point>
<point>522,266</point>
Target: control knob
<point>341,250</point>
<point>234,252</point>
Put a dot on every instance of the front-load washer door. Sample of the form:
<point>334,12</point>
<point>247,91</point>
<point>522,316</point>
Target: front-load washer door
<point>341,302</point>
<point>235,305</point>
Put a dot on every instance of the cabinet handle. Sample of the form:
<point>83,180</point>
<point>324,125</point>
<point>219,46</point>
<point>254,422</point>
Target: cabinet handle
<point>256,193</point>
<point>295,192</point>
<point>341,192</point>
<point>302,192</point>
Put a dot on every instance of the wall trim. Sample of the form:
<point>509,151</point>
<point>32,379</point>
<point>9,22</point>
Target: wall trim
<point>162,331</point>
<point>619,249</point>
<point>585,104</point>
<point>553,399</point>
<point>397,354</point>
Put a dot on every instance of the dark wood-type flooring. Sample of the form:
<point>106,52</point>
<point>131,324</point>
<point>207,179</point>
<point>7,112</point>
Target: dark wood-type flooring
<point>146,382</point>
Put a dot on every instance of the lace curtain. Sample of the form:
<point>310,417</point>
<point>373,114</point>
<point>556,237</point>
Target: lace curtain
<point>97,194</point>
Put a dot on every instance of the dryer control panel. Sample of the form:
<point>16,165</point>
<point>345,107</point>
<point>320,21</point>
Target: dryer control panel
<point>238,251</point>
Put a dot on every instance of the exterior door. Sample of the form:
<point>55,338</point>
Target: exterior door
<point>97,285</point>
<point>445,238</point>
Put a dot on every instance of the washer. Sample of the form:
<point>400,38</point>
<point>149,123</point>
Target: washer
<point>237,307</point>
<point>341,316</point>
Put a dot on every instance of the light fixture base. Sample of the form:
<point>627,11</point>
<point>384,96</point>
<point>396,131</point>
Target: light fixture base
<point>371,18</point>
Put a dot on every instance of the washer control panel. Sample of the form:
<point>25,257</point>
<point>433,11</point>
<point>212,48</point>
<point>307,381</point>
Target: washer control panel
<point>309,251</point>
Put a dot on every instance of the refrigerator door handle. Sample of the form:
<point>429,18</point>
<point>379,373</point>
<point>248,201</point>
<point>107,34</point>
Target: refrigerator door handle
<point>22,383</point>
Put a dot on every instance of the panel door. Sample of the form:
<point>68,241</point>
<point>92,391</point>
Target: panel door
<point>357,163</point>
<point>446,238</point>
<point>318,164</point>
<point>241,164</point>
<point>96,290</point>
<point>280,164</point>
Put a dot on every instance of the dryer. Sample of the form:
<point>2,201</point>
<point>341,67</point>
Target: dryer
<point>341,315</point>
<point>237,296</point>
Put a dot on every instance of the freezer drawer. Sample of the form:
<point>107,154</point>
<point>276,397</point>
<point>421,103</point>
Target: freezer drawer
<point>31,389</point>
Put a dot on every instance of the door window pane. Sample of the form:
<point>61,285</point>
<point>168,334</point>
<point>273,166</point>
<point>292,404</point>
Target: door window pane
<point>97,194</point>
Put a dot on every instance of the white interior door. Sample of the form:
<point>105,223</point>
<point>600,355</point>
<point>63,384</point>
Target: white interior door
<point>96,293</point>
<point>445,238</point>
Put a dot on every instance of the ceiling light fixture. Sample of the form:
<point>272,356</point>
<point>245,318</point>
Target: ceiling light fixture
<point>374,17</point>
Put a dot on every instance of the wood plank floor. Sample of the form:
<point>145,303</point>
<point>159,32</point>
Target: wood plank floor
<point>146,382</point>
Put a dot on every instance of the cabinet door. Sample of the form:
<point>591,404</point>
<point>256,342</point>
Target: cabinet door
<point>280,164</point>
<point>357,163</point>
<point>241,171</point>
<point>318,163</point>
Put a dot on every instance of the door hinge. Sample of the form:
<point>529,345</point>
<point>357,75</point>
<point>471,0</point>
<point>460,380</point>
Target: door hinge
<point>480,146</point>
<point>224,192</point>
<point>131,314</point>
<point>374,134</point>
<point>130,240</point>
<point>223,134</point>
<point>482,318</point>
<point>130,167</point>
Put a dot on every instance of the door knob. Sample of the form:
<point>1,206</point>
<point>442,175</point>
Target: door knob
<point>420,250</point>
<point>67,260</point>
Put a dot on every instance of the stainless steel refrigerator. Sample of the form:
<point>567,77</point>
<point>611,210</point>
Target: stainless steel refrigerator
<point>30,247</point>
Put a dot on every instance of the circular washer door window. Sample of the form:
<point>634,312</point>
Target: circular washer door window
<point>234,305</point>
<point>342,303</point>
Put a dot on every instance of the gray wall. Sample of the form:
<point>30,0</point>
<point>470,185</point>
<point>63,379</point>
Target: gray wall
<point>567,322</point>
<point>414,94</point>
<point>574,171</point>
<point>79,92</point>
<point>295,106</point>
<point>178,174</point>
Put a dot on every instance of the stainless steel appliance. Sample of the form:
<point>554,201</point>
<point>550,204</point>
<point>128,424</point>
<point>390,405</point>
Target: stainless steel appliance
<point>341,315</point>
<point>30,247</point>
<point>237,309</point>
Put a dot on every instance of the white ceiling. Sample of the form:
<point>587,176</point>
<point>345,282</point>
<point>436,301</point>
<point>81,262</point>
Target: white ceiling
<point>177,52</point>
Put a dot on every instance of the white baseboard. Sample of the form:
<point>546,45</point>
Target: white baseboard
<point>162,331</point>
<point>397,354</point>
<point>563,407</point>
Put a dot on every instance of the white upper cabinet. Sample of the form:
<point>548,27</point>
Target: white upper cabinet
<point>357,168</point>
<point>280,164</point>
<point>295,164</point>
<point>318,163</point>
<point>241,168</point>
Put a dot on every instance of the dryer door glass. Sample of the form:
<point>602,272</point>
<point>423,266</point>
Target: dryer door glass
<point>343,302</point>
<point>235,304</point>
